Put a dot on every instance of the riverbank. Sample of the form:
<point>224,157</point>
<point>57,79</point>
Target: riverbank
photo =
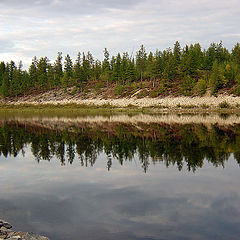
<point>63,99</point>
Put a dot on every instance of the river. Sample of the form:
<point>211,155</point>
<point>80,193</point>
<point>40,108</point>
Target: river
<point>121,177</point>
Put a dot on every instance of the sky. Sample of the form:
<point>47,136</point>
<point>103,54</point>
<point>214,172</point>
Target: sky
<point>41,28</point>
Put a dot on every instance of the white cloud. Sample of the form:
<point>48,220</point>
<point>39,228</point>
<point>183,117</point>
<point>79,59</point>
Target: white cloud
<point>43,28</point>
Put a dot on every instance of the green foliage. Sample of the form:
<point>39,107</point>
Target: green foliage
<point>196,68</point>
<point>74,90</point>
<point>216,78</point>
<point>98,86</point>
<point>58,72</point>
<point>65,81</point>
<point>237,90</point>
<point>119,89</point>
<point>200,87</point>
<point>117,71</point>
<point>141,61</point>
<point>236,53</point>
<point>68,66</point>
<point>187,85</point>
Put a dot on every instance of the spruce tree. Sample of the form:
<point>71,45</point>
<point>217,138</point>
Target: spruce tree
<point>141,60</point>
<point>58,69</point>
<point>68,67</point>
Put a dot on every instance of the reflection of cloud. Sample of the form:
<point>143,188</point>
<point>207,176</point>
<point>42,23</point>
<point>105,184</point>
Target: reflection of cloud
<point>72,202</point>
<point>93,211</point>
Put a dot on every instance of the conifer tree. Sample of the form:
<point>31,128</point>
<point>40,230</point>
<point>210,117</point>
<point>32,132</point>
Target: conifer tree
<point>68,66</point>
<point>117,69</point>
<point>42,72</point>
<point>33,72</point>
<point>236,53</point>
<point>141,60</point>
<point>5,81</point>
<point>2,71</point>
<point>77,69</point>
<point>106,74</point>
<point>177,53</point>
<point>58,69</point>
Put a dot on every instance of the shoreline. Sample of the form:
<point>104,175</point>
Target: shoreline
<point>93,103</point>
<point>169,102</point>
<point>194,105</point>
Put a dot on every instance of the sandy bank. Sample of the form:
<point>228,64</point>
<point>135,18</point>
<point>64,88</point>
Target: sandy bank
<point>167,102</point>
<point>63,97</point>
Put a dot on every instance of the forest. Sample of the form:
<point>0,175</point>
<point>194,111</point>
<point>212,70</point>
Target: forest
<point>188,70</point>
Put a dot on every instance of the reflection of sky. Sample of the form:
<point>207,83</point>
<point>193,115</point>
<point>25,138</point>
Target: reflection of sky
<point>74,202</point>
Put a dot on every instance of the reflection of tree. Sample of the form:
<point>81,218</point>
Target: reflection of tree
<point>60,152</point>
<point>176,145</point>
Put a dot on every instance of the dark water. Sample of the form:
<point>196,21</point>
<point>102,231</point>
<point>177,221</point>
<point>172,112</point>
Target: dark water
<point>121,181</point>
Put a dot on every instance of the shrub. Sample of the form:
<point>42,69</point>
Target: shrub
<point>200,87</point>
<point>216,78</point>
<point>224,104</point>
<point>187,85</point>
<point>119,89</point>
<point>98,86</point>
<point>73,92</point>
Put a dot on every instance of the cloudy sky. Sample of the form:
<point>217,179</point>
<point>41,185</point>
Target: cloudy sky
<point>43,27</point>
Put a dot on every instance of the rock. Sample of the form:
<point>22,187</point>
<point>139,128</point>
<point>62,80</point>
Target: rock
<point>3,236</point>
<point>7,234</point>
<point>15,238</point>
<point>5,224</point>
<point>25,236</point>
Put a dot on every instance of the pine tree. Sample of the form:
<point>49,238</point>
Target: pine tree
<point>117,69</point>
<point>2,71</point>
<point>42,72</point>
<point>58,71</point>
<point>77,69</point>
<point>141,60</point>
<point>131,71</point>
<point>5,81</point>
<point>68,68</point>
<point>236,53</point>
<point>216,78</point>
<point>177,53</point>
<point>106,72</point>
<point>97,69</point>
<point>33,72</point>
<point>84,69</point>
<point>124,66</point>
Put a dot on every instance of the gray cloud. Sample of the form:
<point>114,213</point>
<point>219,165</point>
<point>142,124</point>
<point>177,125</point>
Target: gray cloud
<point>58,8</point>
<point>43,28</point>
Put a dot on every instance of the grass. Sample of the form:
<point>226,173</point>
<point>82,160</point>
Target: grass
<point>67,110</point>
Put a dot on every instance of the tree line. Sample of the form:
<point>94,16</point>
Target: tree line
<point>190,68</point>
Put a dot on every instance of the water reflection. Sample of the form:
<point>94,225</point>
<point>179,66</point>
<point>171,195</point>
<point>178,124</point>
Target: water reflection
<point>72,202</point>
<point>172,144</point>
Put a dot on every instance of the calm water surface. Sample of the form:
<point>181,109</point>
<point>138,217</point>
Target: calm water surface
<point>121,181</point>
